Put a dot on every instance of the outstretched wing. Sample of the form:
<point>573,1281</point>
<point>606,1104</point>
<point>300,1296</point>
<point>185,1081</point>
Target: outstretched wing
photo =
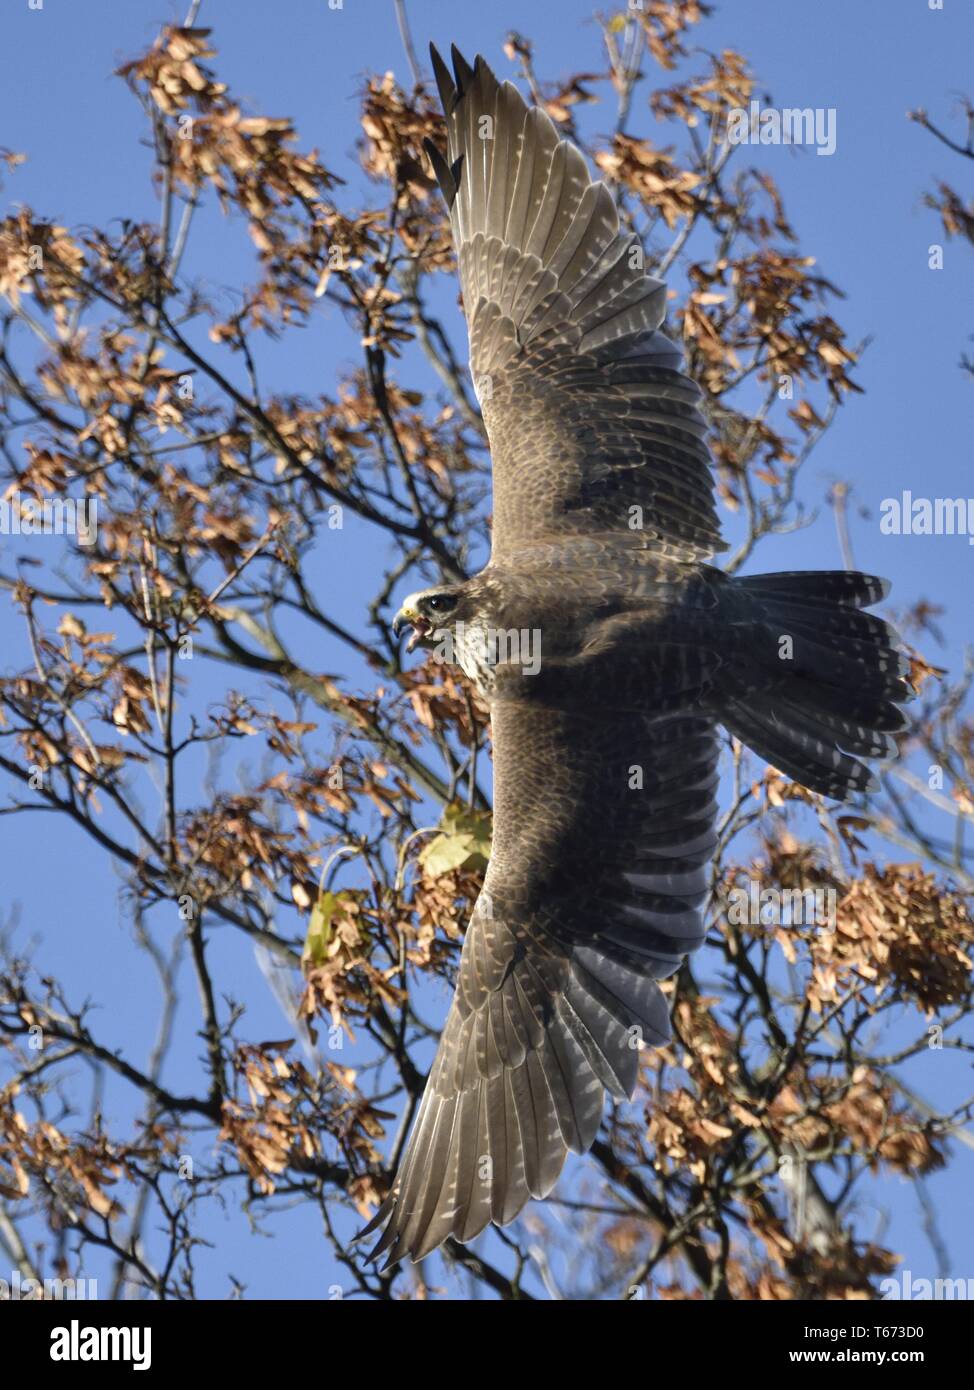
<point>603,832</point>
<point>586,409</point>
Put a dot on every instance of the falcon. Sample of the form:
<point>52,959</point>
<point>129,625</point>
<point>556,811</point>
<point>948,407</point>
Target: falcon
<point>605,741</point>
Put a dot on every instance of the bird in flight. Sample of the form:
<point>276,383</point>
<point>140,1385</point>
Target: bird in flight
<point>605,742</point>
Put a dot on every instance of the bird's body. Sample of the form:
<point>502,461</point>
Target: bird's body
<point>609,649</point>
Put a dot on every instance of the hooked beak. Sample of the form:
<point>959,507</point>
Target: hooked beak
<point>411,617</point>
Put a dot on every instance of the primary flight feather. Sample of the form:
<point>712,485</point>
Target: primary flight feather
<point>605,747</point>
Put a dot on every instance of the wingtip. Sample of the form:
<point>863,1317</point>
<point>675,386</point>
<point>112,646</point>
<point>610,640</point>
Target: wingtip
<point>384,1211</point>
<point>439,66</point>
<point>445,176</point>
<point>392,1242</point>
<point>389,1244</point>
<point>449,96</point>
<point>462,70</point>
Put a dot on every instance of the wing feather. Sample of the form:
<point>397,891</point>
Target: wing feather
<point>551,282</point>
<point>593,895</point>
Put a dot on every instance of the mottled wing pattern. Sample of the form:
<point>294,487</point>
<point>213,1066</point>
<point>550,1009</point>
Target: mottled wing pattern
<point>605,760</point>
<point>586,409</point>
<point>604,829</point>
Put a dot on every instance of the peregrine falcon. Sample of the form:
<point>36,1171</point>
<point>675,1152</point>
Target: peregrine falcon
<point>605,743</point>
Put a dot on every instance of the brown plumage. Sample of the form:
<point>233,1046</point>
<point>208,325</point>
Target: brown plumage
<point>605,750</point>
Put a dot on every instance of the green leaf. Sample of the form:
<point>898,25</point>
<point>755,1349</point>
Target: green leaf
<point>320,928</point>
<point>462,843</point>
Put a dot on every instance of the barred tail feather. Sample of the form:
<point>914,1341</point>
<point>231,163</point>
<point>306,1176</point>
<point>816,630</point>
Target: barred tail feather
<point>819,682</point>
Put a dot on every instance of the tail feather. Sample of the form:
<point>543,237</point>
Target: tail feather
<point>831,691</point>
<point>802,615</point>
<point>852,706</point>
<point>855,737</point>
<point>815,763</point>
<point>847,588</point>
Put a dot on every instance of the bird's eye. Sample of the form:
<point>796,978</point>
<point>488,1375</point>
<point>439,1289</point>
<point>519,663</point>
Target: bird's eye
<point>441,603</point>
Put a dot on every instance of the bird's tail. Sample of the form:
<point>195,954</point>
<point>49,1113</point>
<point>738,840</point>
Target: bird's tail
<point>818,681</point>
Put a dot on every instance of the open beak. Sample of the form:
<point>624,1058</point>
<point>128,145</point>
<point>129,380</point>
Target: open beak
<point>409,617</point>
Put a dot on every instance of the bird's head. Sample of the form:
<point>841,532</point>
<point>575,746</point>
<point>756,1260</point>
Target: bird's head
<point>429,612</point>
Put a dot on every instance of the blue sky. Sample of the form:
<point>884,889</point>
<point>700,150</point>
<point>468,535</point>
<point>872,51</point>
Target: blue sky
<point>860,210</point>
